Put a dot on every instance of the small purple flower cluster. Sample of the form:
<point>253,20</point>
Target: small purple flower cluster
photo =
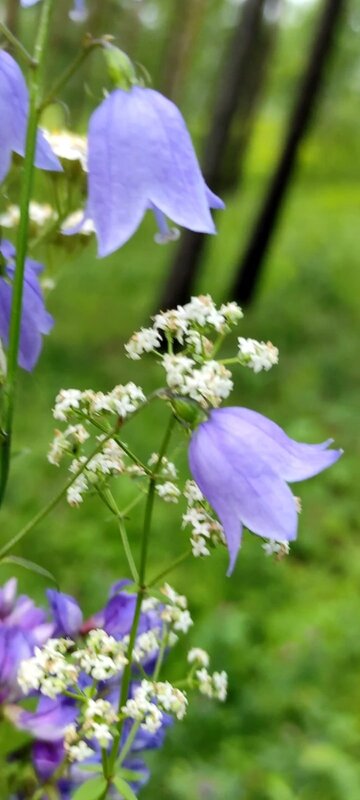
<point>23,629</point>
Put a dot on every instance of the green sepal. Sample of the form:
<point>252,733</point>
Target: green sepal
<point>121,70</point>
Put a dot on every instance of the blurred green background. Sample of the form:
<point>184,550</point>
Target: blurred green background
<point>287,632</point>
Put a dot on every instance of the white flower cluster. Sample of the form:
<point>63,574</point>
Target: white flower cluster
<point>39,214</point>
<point>110,461</point>
<point>186,325</point>
<point>168,491</point>
<point>151,699</point>
<point>123,400</point>
<point>66,442</point>
<point>175,612</point>
<point>95,722</point>
<point>257,355</point>
<point>208,384</point>
<point>205,530</point>
<point>78,223</point>
<point>273,547</point>
<point>146,340</point>
<point>146,645</point>
<point>198,656</point>
<point>213,686</point>
<point>167,468</point>
<point>49,670</point>
<point>102,656</point>
<point>68,146</point>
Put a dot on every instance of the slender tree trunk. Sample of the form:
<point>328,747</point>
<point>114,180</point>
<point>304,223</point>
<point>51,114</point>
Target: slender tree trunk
<point>252,262</point>
<point>12,15</point>
<point>185,28</point>
<point>236,100</point>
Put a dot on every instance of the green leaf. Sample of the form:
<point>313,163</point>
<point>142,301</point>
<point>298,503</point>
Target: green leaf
<point>32,567</point>
<point>91,790</point>
<point>124,788</point>
<point>131,774</point>
<point>90,767</point>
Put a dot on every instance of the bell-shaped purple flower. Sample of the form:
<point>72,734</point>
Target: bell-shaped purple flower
<point>141,157</point>
<point>14,104</point>
<point>242,462</point>
<point>35,320</point>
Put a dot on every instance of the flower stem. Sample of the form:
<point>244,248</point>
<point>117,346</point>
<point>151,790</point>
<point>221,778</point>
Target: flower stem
<point>88,45</point>
<point>110,503</point>
<point>16,44</point>
<point>170,568</point>
<point>35,90</point>
<point>142,588</point>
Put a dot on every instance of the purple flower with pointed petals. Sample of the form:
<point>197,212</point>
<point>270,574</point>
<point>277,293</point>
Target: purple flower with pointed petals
<point>35,320</point>
<point>242,462</point>
<point>141,157</point>
<point>14,104</point>
<point>66,612</point>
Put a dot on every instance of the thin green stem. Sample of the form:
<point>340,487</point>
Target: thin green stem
<point>18,47</point>
<point>128,744</point>
<point>142,587</point>
<point>89,45</point>
<point>109,500</point>
<point>35,89</point>
<point>177,561</point>
<point>161,654</point>
<point>55,500</point>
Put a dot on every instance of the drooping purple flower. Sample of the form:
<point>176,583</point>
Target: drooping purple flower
<point>66,613</point>
<point>20,612</point>
<point>35,320</point>
<point>15,646</point>
<point>141,157</point>
<point>242,463</point>
<point>14,104</point>
<point>78,13</point>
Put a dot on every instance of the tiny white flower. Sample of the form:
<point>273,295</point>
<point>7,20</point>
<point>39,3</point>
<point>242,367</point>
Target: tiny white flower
<point>198,656</point>
<point>257,355</point>
<point>168,492</point>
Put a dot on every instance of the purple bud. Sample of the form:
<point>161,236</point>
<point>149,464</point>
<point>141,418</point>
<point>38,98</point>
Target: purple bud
<point>66,612</point>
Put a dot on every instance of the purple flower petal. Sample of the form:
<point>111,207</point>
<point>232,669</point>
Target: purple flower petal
<point>50,720</point>
<point>35,320</point>
<point>14,106</point>
<point>241,461</point>
<point>66,612</point>
<point>47,758</point>
<point>140,156</point>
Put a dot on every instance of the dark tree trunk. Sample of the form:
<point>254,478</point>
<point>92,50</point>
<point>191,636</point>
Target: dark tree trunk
<point>236,101</point>
<point>251,263</point>
<point>185,28</point>
<point>12,15</point>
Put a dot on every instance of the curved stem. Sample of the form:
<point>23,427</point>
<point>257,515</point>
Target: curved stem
<point>170,568</point>
<point>35,89</point>
<point>16,44</point>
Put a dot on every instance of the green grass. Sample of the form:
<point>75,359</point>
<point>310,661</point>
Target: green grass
<point>288,633</point>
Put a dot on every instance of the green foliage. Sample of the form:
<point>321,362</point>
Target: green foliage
<point>287,632</point>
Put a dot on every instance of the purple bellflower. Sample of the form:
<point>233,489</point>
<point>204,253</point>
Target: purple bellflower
<point>242,462</point>
<point>141,157</point>
<point>78,13</point>
<point>14,103</point>
<point>35,320</point>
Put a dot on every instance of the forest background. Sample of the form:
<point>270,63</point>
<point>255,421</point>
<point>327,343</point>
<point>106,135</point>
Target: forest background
<point>287,632</point>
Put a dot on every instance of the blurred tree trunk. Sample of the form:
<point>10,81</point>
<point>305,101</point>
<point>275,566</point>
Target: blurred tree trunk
<point>12,15</point>
<point>251,263</point>
<point>235,105</point>
<point>185,28</point>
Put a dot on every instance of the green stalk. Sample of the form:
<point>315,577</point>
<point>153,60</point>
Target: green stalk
<point>35,91</point>
<point>15,44</point>
<point>141,592</point>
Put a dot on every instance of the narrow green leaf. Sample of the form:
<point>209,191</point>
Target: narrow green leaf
<point>124,788</point>
<point>91,790</point>
<point>31,566</point>
<point>131,774</point>
<point>90,767</point>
